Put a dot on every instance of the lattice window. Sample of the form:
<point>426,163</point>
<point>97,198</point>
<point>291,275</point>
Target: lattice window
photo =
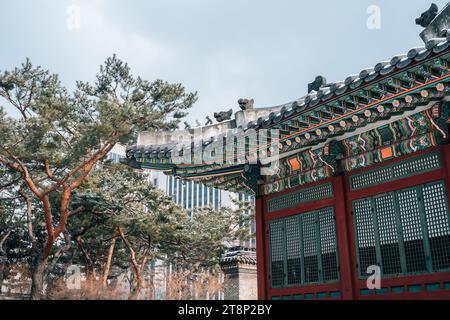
<point>328,245</point>
<point>416,165</point>
<point>309,223</point>
<point>371,178</point>
<point>365,234</point>
<point>437,217</point>
<point>404,232</point>
<point>303,247</point>
<point>283,202</point>
<point>388,233</point>
<point>319,192</point>
<point>303,196</point>
<point>410,218</point>
<point>276,240</point>
<point>406,168</point>
<point>293,251</point>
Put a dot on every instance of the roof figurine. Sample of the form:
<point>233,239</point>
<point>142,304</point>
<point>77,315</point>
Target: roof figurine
<point>246,104</point>
<point>318,83</point>
<point>328,113</point>
<point>223,115</point>
<point>208,121</point>
<point>374,145</point>
<point>425,18</point>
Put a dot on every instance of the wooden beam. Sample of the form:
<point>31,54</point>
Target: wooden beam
<point>261,252</point>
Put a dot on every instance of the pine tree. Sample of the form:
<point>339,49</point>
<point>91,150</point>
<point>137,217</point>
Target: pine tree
<point>60,136</point>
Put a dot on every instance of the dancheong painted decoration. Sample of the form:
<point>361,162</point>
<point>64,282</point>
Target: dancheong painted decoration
<point>351,181</point>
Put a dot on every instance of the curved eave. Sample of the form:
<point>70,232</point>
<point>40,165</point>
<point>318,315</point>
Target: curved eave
<point>186,172</point>
<point>367,77</point>
<point>364,92</point>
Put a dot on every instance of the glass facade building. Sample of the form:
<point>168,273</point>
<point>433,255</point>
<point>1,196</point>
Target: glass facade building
<point>191,195</point>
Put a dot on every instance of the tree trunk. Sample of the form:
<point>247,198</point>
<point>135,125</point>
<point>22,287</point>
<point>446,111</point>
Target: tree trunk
<point>87,258</point>
<point>135,267</point>
<point>136,290</point>
<point>37,277</point>
<point>3,258</point>
<point>2,271</point>
<point>108,261</point>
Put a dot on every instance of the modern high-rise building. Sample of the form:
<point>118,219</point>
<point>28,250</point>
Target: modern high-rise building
<point>117,152</point>
<point>189,194</point>
<point>352,190</point>
<point>192,195</point>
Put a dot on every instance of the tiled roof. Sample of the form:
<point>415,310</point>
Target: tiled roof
<point>352,82</point>
<point>326,94</point>
<point>241,256</point>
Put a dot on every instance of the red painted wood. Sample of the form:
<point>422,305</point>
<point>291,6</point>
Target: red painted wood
<point>440,277</point>
<point>405,281</point>
<point>266,247</point>
<point>398,184</point>
<point>416,180</point>
<point>351,236</point>
<point>350,284</point>
<point>306,207</point>
<point>260,248</point>
<point>318,288</point>
<point>446,160</point>
<point>397,160</point>
<point>342,248</point>
<point>343,239</point>
<point>298,188</point>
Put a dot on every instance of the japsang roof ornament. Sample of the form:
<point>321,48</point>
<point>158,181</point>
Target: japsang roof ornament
<point>397,107</point>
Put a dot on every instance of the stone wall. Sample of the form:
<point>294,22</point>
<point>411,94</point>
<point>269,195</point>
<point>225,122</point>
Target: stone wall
<point>240,281</point>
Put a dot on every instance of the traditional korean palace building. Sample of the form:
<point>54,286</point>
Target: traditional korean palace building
<point>350,180</point>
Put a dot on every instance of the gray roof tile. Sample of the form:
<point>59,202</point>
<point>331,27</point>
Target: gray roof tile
<point>325,93</point>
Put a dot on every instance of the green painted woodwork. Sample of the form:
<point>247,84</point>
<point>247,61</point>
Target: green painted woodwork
<point>407,168</point>
<point>293,199</point>
<point>303,249</point>
<point>310,136</point>
<point>404,232</point>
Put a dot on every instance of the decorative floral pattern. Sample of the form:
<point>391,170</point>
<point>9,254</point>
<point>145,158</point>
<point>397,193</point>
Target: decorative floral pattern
<point>409,146</point>
<point>297,180</point>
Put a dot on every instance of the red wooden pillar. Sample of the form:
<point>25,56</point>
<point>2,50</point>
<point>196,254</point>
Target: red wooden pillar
<point>446,163</point>
<point>351,236</point>
<point>343,238</point>
<point>260,248</point>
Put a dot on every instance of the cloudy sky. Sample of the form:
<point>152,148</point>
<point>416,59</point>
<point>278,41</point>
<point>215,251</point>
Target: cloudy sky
<point>224,49</point>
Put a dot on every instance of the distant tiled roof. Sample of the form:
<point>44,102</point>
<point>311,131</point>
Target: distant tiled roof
<point>241,256</point>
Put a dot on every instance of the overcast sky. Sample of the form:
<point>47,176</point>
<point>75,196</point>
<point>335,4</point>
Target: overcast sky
<point>224,49</point>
